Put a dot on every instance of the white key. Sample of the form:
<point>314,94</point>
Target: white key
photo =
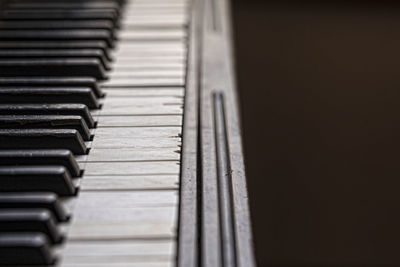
<point>137,92</point>
<point>140,121</point>
<point>132,168</point>
<point>132,182</point>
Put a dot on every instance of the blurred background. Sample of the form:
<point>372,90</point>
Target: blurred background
<point>320,96</point>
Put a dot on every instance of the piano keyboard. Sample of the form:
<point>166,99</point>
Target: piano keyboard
<point>120,140</point>
<point>87,179</point>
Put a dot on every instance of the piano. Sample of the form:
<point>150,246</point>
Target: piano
<point>120,141</point>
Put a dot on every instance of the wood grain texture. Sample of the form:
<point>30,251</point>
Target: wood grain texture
<point>222,238</point>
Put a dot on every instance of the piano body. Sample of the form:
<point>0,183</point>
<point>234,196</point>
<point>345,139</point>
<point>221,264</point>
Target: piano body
<point>119,135</point>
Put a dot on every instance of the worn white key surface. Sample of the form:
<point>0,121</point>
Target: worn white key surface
<point>154,143</point>
<point>126,212</point>
<point>130,182</point>
<point>140,121</point>
<point>131,155</point>
<point>115,92</point>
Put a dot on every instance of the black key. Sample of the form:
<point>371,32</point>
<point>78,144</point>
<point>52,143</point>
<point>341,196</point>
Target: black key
<point>57,25</point>
<point>57,45</point>
<point>30,220</point>
<point>19,249</point>
<point>32,178</point>
<point>64,5</point>
<point>49,109</point>
<point>65,9</point>
<point>29,200</point>
<point>46,122</point>
<point>50,54</point>
<point>61,157</point>
<point>43,139</point>
<point>58,35</point>
<point>55,95</point>
<point>53,82</point>
<point>59,14</point>
<point>44,8</point>
<point>61,67</point>
<point>119,2</point>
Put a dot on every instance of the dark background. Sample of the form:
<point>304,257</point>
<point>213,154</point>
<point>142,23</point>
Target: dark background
<point>320,96</point>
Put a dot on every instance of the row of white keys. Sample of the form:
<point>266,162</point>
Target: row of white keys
<point>126,212</point>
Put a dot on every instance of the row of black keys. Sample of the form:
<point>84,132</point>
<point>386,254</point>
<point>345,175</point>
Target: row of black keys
<point>36,38</point>
<point>52,53</point>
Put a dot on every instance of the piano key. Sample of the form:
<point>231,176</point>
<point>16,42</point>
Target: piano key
<point>144,73</point>
<point>132,168</point>
<point>30,220</point>
<point>49,54</point>
<point>135,250</point>
<point>59,14</point>
<point>140,121</point>
<point>151,56</point>
<point>155,4</point>
<point>132,200</point>
<point>137,143</point>
<point>61,157</point>
<point>142,106</point>
<point>57,35</point>
<point>177,23</point>
<point>57,45</point>
<point>31,248</point>
<point>43,139</point>
<point>57,25</point>
<point>132,182</point>
<point>126,60</point>
<point>167,46</point>
<point>138,132</point>
<point>143,76</point>
<point>87,67</point>
<point>146,91</point>
<point>157,8</point>
<point>117,260</point>
<point>163,45</point>
<point>64,5</point>
<point>119,2</point>
<point>53,82</point>
<point>46,122</point>
<point>122,154</point>
<point>172,10</point>
<point>49,109</point>
<point>153,214</point>
<point>157,66</point>
<point>122,263</point>
<point>140,82</point>
<point>148,52</point>
<point>51,95</point>
<point>48,201</point>
<point>140,110</point>
<point>153,17</point>
<point>152,35</point>
<point>33,178</point>
<point>139,223</point>
<point>155,22</point>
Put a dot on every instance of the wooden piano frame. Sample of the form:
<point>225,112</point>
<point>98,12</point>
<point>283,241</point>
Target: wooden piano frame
<point>214,221</point>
